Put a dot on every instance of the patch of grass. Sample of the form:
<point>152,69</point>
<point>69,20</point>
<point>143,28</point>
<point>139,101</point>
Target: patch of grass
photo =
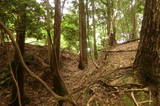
<point>126,101</point>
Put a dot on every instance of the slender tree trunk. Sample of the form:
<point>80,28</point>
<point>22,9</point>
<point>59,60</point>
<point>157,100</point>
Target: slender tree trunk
<point>87,25</point>
<point>58,83</point>
<point>16,66</point>
<point>134,34</point>
<point>109,25</point>
<point>94,29</point>
<point>147,61</point>
<point>57,29</point>
<point>63,4</point>
<point>1,37</point>
<point>83,37</point>
<point>111,29</point>
<point>48,29</point>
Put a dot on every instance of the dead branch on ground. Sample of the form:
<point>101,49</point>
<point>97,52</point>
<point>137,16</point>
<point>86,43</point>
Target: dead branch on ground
<point>147,101</point>
<point>119,51</point>
<point>134,99</point>
<point>142,102</point>
<point>94,82</point>
<point>143,89</point>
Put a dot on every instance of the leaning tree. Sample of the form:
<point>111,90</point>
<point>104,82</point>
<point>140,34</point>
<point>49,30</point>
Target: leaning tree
<point>147,61</point>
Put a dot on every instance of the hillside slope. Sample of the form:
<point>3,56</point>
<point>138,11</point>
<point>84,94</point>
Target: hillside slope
<point>103,82</point>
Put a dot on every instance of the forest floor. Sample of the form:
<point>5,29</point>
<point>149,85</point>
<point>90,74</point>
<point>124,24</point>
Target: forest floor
<point>107,81</point>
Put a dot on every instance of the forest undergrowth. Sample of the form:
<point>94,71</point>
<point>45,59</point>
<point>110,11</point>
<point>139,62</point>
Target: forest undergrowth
<point>107,81</point>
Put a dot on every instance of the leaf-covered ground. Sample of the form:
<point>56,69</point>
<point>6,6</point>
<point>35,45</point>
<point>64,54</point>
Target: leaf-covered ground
<point>107,81</point>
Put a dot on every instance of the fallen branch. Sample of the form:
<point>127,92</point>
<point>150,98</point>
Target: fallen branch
<point>118,51</point>
<point>133,90</point>
<point>147,101</point>
<point>95,97</point>
<point>57,97</point>
<point>134,99</point>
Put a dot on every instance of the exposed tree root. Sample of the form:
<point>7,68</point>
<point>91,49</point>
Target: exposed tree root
<point>16,83</point>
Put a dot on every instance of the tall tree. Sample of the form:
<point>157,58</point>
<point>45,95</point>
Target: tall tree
<point>111,18</point>
<point>16,66</point>
<point>134,34</point>
<point>83,37</point>
<point>94,29</point>
<point>147,61</point>
<point>87,22</point>
<point>111,23</point>
<point>58,83</point>
<point>48,28</point>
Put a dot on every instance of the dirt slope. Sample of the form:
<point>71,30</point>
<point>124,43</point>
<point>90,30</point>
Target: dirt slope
<point>100,85</point>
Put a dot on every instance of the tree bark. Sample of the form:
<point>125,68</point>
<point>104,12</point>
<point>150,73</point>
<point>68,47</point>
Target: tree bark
<point>147,61</point>
<point>58,83</point>
<point>83,37</point>
<point>1,37</point>
<point>16,66</point>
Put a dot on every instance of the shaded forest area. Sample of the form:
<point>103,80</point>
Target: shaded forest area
<point>80,53</point>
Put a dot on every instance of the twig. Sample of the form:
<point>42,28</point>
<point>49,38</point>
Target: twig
<point>118,51</point>
<point>18,91</point>
<point>150,98</point>
<point>132,90</point>
<point>134,99</point>
<point>147,101</point>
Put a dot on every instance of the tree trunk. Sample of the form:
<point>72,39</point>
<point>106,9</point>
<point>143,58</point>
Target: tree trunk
<point>1,37</point>
<point>57,29</point>
<point>87,26</point>
<point>134,34</point>
<point>147,61</point>
<point>111,27</point>
<point>94,30</point>
<point>83,37</point>
<point>58,83</point>
<point>48,29</point>
<point>16,66</point>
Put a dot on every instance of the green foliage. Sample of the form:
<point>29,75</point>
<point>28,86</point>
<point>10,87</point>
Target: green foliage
<point>34,16</point>
<point>37,23</point>
<point>70,31</point>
